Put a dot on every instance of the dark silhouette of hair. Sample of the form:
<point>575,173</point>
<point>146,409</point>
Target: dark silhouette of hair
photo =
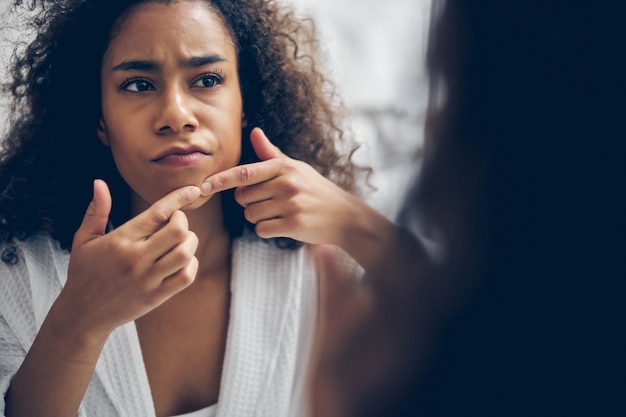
<point>522,182</point>
<point>51,154</point>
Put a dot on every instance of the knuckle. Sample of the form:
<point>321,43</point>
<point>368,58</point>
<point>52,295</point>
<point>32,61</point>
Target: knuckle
<point>121,249</point>
<point>182,255</point>
<point>296,222</point>
<point>178,232</point>
<point>245,173</point>
<point>240,194</point>
<point>159,214</point>
<point>193,238</point>
<point>288,189</point>
<point>285,166</point>
<point>178,228</point>
<point>91,209</point>
<point>262,230</point>
<point>293,206</point>
<point>188,252</point>
<point>282,167</point>
<point>186,277</point>
<point>247,212</point>
<point>291,185</point>
<point>218,182</point>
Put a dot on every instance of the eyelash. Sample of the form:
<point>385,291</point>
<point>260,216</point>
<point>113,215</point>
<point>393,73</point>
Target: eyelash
<point>218,75</point>
<point>132,80</point>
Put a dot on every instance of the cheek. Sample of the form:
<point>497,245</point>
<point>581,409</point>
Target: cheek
<point>231,154</point>
<point>230,144</point>
<point>125,154</point>
<point>124,164</point>
<point>121,149</point>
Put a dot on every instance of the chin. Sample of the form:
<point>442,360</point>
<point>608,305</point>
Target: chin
<point>202,201</point>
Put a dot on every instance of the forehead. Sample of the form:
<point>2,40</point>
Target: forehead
<point>150,28</point>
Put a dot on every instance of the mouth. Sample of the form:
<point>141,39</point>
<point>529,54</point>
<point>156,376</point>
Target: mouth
<point>181,157</point>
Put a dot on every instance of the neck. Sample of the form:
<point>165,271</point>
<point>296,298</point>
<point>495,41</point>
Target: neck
<point>207,222</point>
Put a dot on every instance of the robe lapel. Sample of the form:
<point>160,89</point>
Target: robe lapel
<point>122,374</point>
<point>263,336</point>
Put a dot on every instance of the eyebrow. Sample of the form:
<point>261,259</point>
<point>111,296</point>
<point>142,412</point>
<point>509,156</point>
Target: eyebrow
<point>141,65</point>
<point>201,61</point>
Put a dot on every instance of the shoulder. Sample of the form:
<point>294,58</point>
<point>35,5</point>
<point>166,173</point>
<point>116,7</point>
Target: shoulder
<point>29,286</point>
<point>37,257</point>
<point>34,246</point>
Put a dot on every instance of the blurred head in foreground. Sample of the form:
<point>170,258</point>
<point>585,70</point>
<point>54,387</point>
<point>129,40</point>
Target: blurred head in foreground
<point>520,185</point>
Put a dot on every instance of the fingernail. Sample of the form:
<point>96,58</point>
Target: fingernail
<point>206,188</point>
<point>193,193</point>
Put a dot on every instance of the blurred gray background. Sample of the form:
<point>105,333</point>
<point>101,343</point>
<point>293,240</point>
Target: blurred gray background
<point>374,52</point>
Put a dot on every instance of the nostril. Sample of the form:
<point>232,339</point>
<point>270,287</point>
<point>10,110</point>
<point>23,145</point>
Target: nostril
<point>175,117</point>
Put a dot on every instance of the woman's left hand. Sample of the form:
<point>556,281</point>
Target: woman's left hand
<point>285,197</point>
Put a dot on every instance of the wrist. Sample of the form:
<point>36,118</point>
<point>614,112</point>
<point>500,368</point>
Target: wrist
<point>366,234</point>
<point>70,334</point>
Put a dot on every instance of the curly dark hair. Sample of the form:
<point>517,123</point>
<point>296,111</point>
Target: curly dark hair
<point>51,155</point>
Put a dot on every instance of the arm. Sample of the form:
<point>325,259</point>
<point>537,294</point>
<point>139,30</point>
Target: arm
<point>54,376</point>
<point>112,280</point>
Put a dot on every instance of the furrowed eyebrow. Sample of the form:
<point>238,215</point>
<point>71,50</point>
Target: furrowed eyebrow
<point>201,61</point>
<point>194,62</point>
<point>136,66</point>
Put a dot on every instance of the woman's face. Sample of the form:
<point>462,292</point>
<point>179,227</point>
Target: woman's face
<point>171,102</point>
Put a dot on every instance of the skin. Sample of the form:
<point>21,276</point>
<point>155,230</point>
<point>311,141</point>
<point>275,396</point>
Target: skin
<point>172,116</point>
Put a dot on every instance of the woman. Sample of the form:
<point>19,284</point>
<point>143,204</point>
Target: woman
<point>162,301</point>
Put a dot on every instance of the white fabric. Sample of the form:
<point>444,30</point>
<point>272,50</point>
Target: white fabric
<point>273,310</point>
<point>209,411</point>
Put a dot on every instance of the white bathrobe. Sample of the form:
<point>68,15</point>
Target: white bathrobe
<point>273,312</point>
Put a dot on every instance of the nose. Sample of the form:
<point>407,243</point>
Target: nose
<point>175,114</point>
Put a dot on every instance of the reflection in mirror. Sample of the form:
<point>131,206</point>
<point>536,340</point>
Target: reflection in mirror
<point>167,173</point>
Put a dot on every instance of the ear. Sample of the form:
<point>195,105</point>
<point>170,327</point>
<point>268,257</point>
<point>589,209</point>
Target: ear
<point>102,133</point>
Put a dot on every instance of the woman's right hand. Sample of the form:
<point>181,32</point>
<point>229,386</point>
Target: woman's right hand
<point>117,277</point>
<point>113,278</point>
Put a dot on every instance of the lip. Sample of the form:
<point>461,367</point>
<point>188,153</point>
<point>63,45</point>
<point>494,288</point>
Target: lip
<point>181,157</point>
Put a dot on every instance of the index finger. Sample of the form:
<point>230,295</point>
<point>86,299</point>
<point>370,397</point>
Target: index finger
<point>161,211</point>
<point>248,174</point>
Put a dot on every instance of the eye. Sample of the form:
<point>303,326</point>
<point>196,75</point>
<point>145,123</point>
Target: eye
<point>137,85</point>
<point>208,81</point>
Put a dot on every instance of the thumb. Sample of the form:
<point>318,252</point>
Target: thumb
<point>97,215</point>
<point>262,146</point>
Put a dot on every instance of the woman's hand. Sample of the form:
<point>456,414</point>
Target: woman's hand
<point>117,277</point>
<point>112,279</point>
<point>285,197</point>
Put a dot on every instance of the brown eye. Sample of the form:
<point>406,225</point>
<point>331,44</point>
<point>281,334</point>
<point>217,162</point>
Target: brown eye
<point>208,81</point>
<point>137,86</point>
